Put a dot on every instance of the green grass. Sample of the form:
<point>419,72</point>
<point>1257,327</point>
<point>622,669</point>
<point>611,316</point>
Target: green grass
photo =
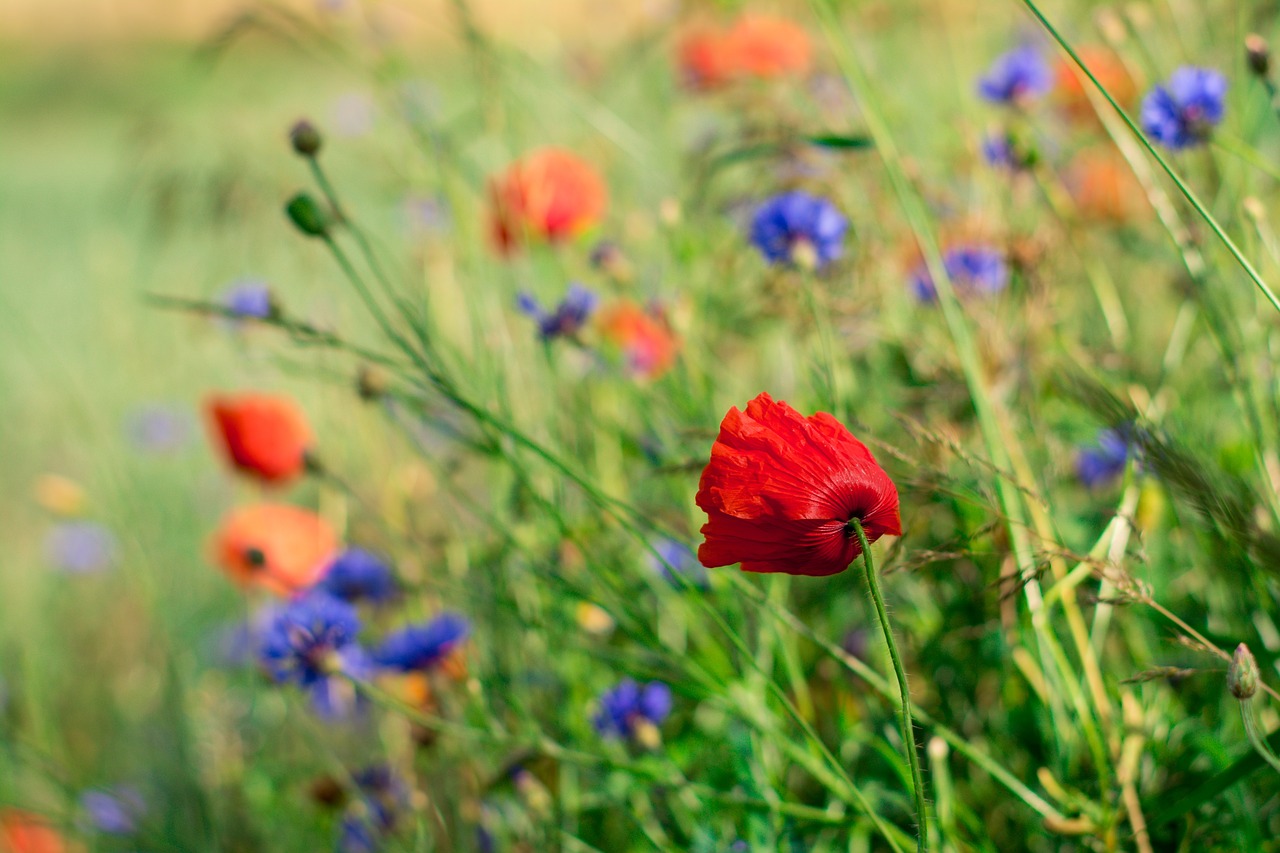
<point>1033,615</point>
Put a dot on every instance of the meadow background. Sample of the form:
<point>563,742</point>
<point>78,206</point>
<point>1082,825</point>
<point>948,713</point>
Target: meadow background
<point>145,153</point>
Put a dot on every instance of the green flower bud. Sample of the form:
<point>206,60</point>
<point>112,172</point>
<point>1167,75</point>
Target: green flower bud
<point>305,138</point>
<point>1257,54</point>
<point>1242,675</point>
<point>307,215</point>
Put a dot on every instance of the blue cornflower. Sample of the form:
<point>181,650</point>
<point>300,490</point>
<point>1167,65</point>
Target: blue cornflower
<point>159,428</point>
<point>422,647</point>
<point>997,150</point>
<point>249,299</point>
<point>1183,113</point>
<point>358,574</point>
<point>568,318</point>
<point>1017,76</point>
<point>675,560</point>
<point>972,270</point>
<point>113,812</point>
<point>1098,464</point>
<point>625,709</point>
<point>380,798</point>
<point>309,640</point>
<point>81,547</point>
<point>799,228</point>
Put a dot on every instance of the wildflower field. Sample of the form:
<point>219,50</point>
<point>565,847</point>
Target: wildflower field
<point>817,426</point>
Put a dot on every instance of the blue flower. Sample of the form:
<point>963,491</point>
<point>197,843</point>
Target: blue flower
<point>81,547</point>
<point>113,812</point>
<point>249,299</point>
<point>675,560</point>
<point>380,797</point>
<point>1101,463</point>
<point>1017,76</point>
<point>568,318</point>
<point>309,640</point>
<point>1183,113</point>
<point>359,574</point>
<point>159,428</point>
<point>624,708</point>
<point>972,270</point>
<point>799,228</point>
<point>422,647</point>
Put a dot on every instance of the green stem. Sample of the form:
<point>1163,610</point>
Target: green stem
<point>908,729</point>
<point>1256,739</point>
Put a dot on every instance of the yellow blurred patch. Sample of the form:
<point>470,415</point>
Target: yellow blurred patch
<point>59,495</point>
<point>594,619</point>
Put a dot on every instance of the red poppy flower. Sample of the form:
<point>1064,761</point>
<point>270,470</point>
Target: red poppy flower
<point>23,832</point>
<point>281,548</point>
<point>706,59</point>
<point>1104,188</point>
<point>264,436</point>
<point>645,338</point>
<point>781,488</point>
<point>551,194</point>
<point>1109,70</point>
<point>762,46</point>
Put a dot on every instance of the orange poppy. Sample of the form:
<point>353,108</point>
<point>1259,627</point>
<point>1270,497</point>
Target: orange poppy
<point>1104,188</point>
<point>281,548</point>
<point>645,338</point>
<point>705,59</point>
<point>551,194</point>
<point>24,832</point>
<point>1111,73</point>
<point>264,436</point>
<point>762,46</point>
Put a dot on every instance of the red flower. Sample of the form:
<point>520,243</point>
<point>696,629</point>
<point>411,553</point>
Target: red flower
<point>264,436</point>
<point>706,59</point>
<point>23,832</point>
<point>551,194</point>
<point>781,488</point>
<point>768,47</point>
<point>281,548</point>
<point>644,337</point>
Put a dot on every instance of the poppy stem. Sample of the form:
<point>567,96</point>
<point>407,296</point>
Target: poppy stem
<point>908,727</point>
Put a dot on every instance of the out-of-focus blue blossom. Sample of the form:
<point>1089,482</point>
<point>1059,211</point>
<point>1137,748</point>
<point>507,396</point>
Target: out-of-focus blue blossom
<point>675,560</point>
<point>973,270</point>
<point>352,114</point>
<point>799,228</point>
<point>1183,112</point>
<point>422,647</point>
<point>310,640</point>
<point>568,318</point>
<point>1100,463</point>
<point>629,705</point>
<point>113,812</point>
<point>81,547</point>
<point>1004,151</point>
<point>356,575</point>
<point>381,797</point>
<point>249,299</point>
<point>1016,77</point>
<point>159,428</point>
<point>426,214</point>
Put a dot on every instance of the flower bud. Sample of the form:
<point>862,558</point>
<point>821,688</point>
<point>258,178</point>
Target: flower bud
<point>307,215</point>
<point>1242,675</point>
<point>1257,54</point>
<point>371,382</point>
<point>305,138</point>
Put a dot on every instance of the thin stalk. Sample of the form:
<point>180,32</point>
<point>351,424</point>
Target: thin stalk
<point>1256,738</point>
<point>1186,191</point>
<point>908,728</point>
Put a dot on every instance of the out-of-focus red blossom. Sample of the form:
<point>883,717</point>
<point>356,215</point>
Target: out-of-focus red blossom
<point>23,832</point>
<point>1109,70</point>
<point>550,194</point>
<point>762,46</point>
<point>1105,189</point>
<point>781,489</point>
<point>755,46</point>
<point>705,58</point>
<point>264,436</point>
<point>281,548</point>
<point>644,337</point>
